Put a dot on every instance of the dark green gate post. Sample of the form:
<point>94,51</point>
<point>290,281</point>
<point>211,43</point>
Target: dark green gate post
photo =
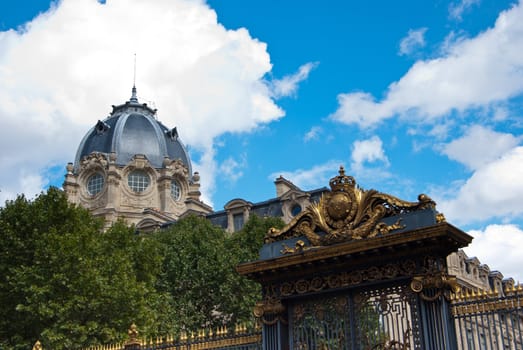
<point>434,289</point>
<point>438,327</point>
<point>273,316</point>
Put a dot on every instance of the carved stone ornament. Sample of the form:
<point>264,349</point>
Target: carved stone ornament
<point>347,212</point>
<point>176,166</point>
<point>95,159</point>
<point>139,161</point>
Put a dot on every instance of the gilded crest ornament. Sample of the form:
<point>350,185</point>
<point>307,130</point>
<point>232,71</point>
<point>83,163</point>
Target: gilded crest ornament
<point>347,212</point>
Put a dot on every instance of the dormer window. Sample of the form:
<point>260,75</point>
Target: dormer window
<point>101,127</point>
<point>296,209</point>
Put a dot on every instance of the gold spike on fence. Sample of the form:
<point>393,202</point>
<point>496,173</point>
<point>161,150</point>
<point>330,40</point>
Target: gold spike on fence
<point>202,339</point>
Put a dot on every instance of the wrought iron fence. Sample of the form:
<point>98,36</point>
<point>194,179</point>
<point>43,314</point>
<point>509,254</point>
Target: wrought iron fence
<point>488,320</point>
<point>240,337</point>
<point>366,319</point>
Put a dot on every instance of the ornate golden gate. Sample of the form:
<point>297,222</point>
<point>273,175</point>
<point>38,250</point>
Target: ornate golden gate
<point>359,270</point>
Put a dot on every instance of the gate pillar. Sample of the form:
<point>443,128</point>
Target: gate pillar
<point>438,327</point>
<point>434,289</point>
<point>359,270</point>
<point>273,315</point>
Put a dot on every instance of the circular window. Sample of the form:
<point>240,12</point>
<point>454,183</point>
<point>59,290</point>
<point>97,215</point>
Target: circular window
<point>95,184</point>
<point>295,210</point>
<point>176,190</point>
<point>138,180</point>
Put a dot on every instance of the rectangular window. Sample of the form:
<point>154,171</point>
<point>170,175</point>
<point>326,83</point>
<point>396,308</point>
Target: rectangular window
<point>238,221</point>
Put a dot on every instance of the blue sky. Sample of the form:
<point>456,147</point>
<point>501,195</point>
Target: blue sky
<point>410,96</point>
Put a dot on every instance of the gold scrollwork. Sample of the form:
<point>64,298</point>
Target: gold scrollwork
<point>346,212</point>
<point>395,344</point>
<point>132,333</point>
<point>345,279</point>
<point>316,284</point>
<point>298,248</point>
<point>270,311</point>
<point>440,283</point>
<point>384,229</point>
<point>440,218</point>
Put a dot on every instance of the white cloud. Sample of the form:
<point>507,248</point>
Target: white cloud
<point>288,85</point>
<point>500,113</point>
<point>207,168</point>
<point>28,184</point>
<point>368,161</point>
<point>441,130</point>
<point>368,151</point>
<point>493,191</point>
<point>64,70</point>
<point>316,177</point>
<point>313,134</point>
<point>497,246</point>
<point>456,9</point>
<point>231,169</point>
<point>475,72</point>
<point>415,39</point>
<point>451,40</point>
<point>479,146</point>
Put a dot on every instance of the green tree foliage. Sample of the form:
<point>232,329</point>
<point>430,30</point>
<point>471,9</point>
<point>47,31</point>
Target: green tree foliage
<point>246,245</point>
<point>70,284</point>
<point>199,283</point>
<point>195,271</point>
<point>66,282</point>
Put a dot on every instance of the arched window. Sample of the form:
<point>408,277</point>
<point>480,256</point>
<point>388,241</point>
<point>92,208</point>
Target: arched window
<point>176,190</point>
<point>95,184</point>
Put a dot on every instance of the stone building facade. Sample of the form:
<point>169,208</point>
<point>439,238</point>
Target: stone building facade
<point>131,166</point>
<point>290,200</point>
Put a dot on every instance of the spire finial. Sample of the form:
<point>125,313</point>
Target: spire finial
<point>134,98</point>
<point>134,77</point>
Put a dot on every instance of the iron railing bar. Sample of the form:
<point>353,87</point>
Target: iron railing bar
<point>518,313</point>
<point>506,328</point>
<point>478,325</point>
<point>459,333</point>
<point>487,316</point>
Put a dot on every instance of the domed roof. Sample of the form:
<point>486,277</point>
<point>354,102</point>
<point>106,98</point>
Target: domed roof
<point>132,129</point>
